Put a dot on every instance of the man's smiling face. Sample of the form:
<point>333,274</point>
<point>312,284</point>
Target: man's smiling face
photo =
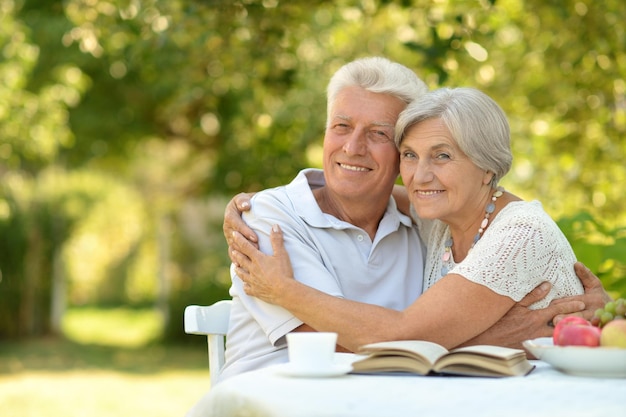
<point>360,157</point>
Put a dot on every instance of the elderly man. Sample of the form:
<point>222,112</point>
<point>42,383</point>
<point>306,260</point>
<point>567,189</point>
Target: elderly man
<point>341,224</point>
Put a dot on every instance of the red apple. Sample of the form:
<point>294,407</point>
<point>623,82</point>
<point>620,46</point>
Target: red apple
<point>567,321</point>
<point>579,335</point>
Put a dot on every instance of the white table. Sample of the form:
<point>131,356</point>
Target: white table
<point>545,392</point>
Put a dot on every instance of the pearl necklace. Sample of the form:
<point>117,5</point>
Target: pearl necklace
<point>446,257</point>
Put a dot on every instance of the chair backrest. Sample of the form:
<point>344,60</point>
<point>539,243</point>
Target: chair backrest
<point>212,322</point>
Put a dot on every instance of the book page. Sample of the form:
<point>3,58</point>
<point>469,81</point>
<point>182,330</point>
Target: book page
<point>493,369</point>
<point>428,351</point>
<point>491,351</point>
<point>484,360</point>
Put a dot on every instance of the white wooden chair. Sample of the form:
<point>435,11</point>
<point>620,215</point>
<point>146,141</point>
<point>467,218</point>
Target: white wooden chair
<point>212,322</point>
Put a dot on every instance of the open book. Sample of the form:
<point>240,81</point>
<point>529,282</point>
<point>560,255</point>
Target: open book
<point>423,358</point>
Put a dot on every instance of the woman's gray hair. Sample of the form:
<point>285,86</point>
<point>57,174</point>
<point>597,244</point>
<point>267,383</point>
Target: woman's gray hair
<point>377,75</point>
<point>478,125</point>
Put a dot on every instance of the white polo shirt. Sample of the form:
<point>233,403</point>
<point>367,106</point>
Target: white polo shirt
<point>326,253</point>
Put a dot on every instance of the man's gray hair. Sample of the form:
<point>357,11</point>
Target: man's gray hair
<point>477,123</point>
<point>377,75</point>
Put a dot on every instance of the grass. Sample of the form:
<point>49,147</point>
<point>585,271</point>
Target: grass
<point>106,365</point>
<point>120,326</point>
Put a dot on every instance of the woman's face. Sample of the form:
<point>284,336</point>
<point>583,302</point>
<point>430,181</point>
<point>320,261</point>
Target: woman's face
<point>442,182</point>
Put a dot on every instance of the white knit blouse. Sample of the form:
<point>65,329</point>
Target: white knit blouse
<point>521,248</point>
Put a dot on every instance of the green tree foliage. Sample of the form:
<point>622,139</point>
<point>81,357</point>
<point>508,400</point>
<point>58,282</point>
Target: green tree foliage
<point>33,129</point>
<point>150,114</point>
<point>34,125</point>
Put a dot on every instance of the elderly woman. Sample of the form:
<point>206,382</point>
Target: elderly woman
<point>486,247</point>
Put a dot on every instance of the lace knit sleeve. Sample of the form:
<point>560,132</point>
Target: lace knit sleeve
<point>522,248</point>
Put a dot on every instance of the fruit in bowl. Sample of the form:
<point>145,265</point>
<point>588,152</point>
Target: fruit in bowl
<point>576,331</point>
<point>613,310</point>
<point>614,334</point>
<point>607,328</point>
<point>586,348</point>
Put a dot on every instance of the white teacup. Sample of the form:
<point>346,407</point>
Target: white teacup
<point>311,351</point>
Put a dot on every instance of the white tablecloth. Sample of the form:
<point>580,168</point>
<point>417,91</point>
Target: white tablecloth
<point>545,392</point>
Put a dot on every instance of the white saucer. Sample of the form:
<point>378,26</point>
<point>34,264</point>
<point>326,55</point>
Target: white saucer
<point>336,370</point>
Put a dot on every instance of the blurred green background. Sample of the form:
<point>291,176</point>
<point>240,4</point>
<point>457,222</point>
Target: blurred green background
<point>126,125</point>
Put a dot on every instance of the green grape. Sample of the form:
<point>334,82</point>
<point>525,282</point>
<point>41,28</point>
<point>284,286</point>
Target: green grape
<point>612,310</point>
<point>610,307</point>
<point>606,317</point>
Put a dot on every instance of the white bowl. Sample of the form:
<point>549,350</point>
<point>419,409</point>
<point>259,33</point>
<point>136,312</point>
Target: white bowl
<point>603,362</point>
